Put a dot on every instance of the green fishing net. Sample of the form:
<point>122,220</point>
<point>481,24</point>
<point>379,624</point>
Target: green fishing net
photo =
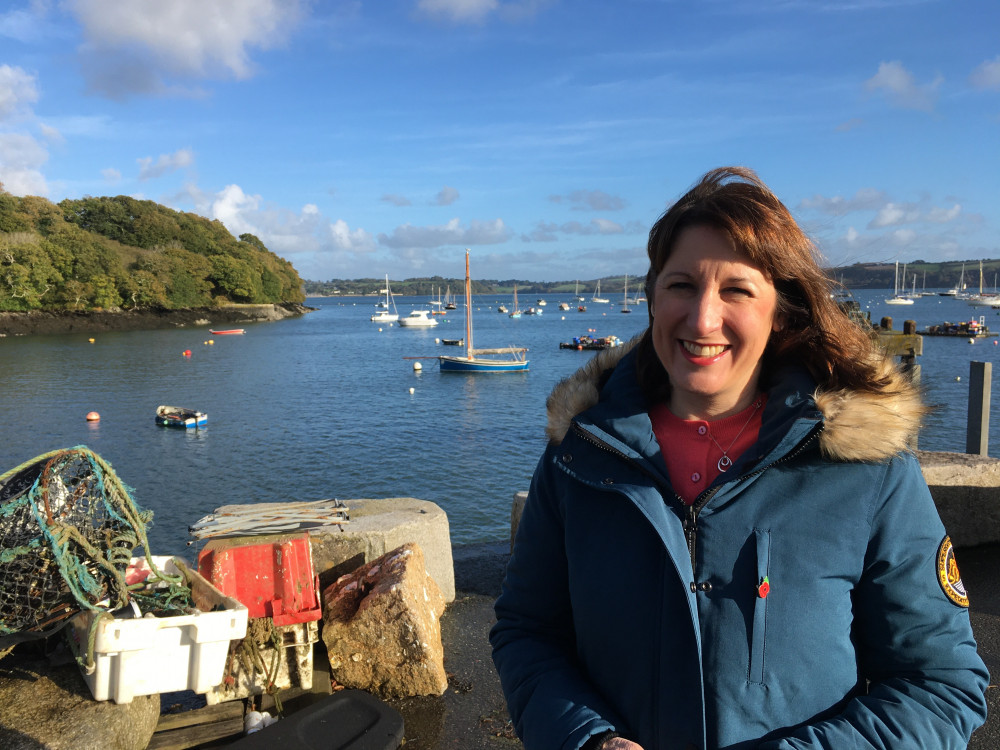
<point>68,527</point>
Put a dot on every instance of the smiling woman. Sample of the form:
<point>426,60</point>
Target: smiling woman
<point>749,454</point>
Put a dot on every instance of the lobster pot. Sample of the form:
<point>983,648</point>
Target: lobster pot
<point>67,531</point>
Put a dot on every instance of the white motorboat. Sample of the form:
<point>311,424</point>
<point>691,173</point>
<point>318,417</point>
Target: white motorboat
<point>418,319</point>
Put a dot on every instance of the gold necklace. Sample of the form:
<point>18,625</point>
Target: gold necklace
<point>725,462</point>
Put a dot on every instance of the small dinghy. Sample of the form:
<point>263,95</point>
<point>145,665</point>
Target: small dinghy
<point>176,416</point>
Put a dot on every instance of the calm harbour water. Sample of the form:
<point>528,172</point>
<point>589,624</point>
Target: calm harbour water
<point>320,406</point>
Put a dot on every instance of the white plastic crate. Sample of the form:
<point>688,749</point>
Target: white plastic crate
<point>162,654</point>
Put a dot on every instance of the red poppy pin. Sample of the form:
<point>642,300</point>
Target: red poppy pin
<point>764,588</point>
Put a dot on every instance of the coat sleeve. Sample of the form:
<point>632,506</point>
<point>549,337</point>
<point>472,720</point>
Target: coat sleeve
<point>915,644</point>
<point>552,703</point>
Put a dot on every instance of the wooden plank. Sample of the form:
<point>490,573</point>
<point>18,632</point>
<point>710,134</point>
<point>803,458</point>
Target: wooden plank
<point>204,715</point>
<point>197,735</point>
<point>901,344</point>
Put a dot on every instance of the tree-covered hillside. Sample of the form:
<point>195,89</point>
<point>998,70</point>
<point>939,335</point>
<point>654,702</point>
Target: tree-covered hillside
<point>105,253</point>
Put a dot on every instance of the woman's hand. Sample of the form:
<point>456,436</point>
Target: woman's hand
<point>620,743</point>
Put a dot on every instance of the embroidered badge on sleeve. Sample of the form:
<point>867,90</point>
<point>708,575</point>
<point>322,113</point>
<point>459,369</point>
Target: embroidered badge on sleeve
<point>948,576</point>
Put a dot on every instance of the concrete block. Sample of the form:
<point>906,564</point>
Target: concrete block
<point>966,491</point>
<point>381,525</point>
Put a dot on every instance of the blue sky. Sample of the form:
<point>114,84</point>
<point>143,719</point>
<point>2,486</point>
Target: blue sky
<point>363,137</point>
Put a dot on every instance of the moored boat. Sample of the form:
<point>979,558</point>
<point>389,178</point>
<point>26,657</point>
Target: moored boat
<point>383,315</point>
<point>227,332</point>
<point>588,342</point>
<point>177,416</point>
<point>482,360</point>
<point>964,329</point>
<point>418,319</point>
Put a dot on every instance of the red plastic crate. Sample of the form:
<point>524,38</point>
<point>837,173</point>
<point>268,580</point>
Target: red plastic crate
<point>271,575</point>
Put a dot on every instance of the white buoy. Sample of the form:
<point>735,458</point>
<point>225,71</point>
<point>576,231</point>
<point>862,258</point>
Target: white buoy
<point>417,367</point>
<point>972,341</point>
<point>412,390</point>
<point>958,378</point>
<point>380,329</point>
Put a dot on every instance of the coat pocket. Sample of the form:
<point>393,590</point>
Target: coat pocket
<point>763,586</point>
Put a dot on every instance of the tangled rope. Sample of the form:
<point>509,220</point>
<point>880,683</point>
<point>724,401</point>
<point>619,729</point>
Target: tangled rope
<point>68,528</point>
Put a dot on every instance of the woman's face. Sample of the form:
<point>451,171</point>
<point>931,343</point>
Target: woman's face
<point>713,313</point>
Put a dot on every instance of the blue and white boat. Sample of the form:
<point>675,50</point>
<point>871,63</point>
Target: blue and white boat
<point>482,360</point>
<point>176,416</point>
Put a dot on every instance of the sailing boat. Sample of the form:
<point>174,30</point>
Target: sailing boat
<point>383,315</point>
<point>478,360</point>
<point>577,292</point>
<point>597,294</point>
<point>983,299</point>
<point>515,313</point>
<point>438,304</point>
<point>896,299</point>
<point>625,307</point>
<point>449,303</point>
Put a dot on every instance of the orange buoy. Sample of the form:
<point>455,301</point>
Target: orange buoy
<point>93,416</point>
<point>187,352</point>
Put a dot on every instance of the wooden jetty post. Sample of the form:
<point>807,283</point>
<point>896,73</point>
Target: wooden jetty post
<point>907,346</point>
<point>977,434</point>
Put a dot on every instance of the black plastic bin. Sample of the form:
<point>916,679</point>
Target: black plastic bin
<point>346,720</point>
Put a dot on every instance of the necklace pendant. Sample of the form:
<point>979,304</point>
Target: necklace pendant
<point>724,463</point>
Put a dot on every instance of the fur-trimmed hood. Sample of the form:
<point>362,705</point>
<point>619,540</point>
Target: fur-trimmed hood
<point>858,426</point>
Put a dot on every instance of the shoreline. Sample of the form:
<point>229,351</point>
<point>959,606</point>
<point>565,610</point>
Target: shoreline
<point>42,322</point>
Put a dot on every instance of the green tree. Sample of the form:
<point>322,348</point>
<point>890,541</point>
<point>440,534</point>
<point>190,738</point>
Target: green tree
<point>234,279</point>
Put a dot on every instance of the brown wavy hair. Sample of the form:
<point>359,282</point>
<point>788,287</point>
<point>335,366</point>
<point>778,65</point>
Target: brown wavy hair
<point>816,332</point>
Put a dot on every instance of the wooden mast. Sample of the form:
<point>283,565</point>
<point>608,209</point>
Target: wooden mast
<point>468,308</point>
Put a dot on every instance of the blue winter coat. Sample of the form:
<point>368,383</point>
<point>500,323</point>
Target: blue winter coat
<point>624,610</point>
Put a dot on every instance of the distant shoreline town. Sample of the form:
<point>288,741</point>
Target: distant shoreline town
<point>970,274</point>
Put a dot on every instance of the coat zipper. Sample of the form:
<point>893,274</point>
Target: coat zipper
<point>690,520</point>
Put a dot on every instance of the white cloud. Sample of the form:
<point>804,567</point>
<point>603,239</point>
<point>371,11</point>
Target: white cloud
<point>148,169</point>
<point>50,133</point>
<point>452,233</point>
<point>318,247</point>
<point>896,214</point>
<point>477,11</point>
<point>943,215</point>
<point>987,75</point>
<point>111,175</point>
<point>344,238</point>
<point>17,91</point>
<point>133,47</point>
<point>901,88</point>
<point>21,157</point>
<point>446,197</point>
<point>866,199</point>
<point>893,214</point>
<point>592,200</point>
<point>396,200</point>
<point>458,11</point>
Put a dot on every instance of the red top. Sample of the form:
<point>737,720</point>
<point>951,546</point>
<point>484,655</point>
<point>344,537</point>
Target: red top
<point>691,456</point>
